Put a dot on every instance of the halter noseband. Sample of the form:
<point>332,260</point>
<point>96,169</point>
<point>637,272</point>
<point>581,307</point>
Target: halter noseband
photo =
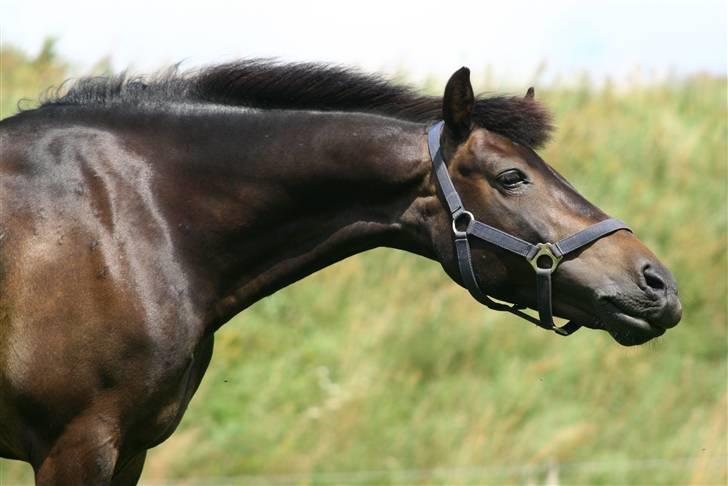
<point>535,254</point>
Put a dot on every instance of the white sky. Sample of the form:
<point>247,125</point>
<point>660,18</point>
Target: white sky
<point>512,36</point>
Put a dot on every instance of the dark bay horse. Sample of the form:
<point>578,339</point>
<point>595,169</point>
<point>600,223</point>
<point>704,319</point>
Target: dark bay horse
<point>137,216</point>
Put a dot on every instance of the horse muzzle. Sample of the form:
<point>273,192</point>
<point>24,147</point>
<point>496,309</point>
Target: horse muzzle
<point>636,316</point>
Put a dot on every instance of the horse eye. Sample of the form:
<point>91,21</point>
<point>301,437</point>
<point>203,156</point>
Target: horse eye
<point>511,178</point>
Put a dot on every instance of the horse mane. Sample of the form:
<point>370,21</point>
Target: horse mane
<point>267,84</point>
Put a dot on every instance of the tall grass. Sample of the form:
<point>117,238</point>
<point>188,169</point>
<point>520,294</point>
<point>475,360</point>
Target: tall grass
<point>380,370</point>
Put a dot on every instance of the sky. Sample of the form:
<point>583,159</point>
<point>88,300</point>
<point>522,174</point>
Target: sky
<point>518,39</point>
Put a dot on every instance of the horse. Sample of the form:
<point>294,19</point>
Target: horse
<point>139,214</point>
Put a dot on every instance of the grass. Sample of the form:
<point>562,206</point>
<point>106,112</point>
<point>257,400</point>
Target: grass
<point>379,370</point>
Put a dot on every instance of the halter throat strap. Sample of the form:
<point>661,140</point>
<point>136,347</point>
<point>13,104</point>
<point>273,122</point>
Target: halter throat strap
<point>543,257</point>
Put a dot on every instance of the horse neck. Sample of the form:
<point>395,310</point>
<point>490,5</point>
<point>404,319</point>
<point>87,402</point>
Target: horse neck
<point>277,196</point>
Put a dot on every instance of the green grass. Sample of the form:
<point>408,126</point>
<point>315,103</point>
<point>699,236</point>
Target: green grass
<point>382,369</point>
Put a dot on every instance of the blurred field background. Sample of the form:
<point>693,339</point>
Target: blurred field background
<point>380,370</point>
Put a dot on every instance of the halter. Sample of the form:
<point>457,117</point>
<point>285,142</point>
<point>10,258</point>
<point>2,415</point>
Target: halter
<point>543,257</point>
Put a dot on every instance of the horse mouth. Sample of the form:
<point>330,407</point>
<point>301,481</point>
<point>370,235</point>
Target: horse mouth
<point>624,326</point>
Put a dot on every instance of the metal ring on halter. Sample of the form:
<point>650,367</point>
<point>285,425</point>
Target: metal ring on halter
<point>457,217</point>
<point>545,250</point>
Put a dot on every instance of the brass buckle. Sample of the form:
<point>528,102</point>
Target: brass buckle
<point>544,249</point>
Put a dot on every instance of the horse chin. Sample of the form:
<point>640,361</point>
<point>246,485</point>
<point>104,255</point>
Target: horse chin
<point>626,328</point>
<point>625,325</point>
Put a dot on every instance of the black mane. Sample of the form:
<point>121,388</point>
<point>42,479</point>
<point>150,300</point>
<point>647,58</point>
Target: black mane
<point>271,85</point>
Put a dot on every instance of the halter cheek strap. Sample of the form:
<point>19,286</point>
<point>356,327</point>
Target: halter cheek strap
<point>543,257</point>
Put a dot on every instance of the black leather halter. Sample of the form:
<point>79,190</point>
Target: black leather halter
<point>543,257</point>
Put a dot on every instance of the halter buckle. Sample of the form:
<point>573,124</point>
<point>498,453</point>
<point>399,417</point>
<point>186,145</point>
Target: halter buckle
<point>560,331</point>
<point>545,250</point>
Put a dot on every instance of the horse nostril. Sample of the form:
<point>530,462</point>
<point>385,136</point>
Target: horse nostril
<point>653,279</point>
<point>660,293</point>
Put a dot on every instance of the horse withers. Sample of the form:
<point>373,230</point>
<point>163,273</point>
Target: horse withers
<point>137,216</point>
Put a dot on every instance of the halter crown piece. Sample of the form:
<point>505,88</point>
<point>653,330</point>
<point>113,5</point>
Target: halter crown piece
<point>543,257</point>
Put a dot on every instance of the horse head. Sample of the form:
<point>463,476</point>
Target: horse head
<point>507,207</point>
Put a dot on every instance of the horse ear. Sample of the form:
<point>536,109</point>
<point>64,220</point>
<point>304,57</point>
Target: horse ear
<point>457,105</point>
<point>530,94</point>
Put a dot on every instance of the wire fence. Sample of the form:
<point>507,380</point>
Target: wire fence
<point>548,473</point>
<point>545,473</point>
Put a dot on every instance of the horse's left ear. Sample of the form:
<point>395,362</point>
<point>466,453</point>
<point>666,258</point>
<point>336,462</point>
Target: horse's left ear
<point>530,93</point>
<point>457,105</point>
